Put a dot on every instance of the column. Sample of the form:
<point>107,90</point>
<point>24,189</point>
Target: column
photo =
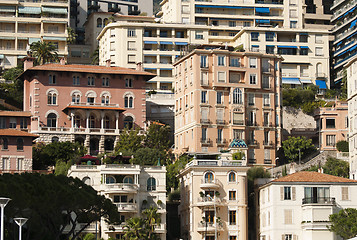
<point>117,123</point>
<point>101,144</point>
<point>102,121</point>
<point>72,120</point>
<point>87,121</point>
<point>87,143</point>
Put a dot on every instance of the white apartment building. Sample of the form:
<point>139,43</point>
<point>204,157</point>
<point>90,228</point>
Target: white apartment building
<point>298,206</point>
<point>132,188</point>
<point>351,70</point>
<point>305,52</point>
<point>27,21</point>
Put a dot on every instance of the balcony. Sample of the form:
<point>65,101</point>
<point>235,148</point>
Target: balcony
<point>205,227</point>
<point>238,122</point>
<point>210,202</point>
<point>252,142</point>
<point>206,141</point>
<point>210,183</point>
<point>205,121</point>
<point>252,161</point>
<point>252,123</point>
<point>319,200</point>
<point>267,161</point>
<point>221,141</point>
<point>268,124</point>
<point>220,122</point>
<point>126,207</point>
<point>120,187</point>
<point>268,143</point>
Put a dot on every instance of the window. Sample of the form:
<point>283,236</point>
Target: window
<point>106,122</point>
<point>91,81</point>
<point>204,63</point>
<point>52,120</point>
<point>5,143</point>
<point>76,97</point>
<point>293,24</point>
<point>246,24</point>
<point>253,62</point>
<point>266,99</point>
<point>209,177</point>
<point>287,193</point>
<point>330,123</point>
<point>105,82</point>
<point>23,123</point>
<point>221,76</point>
<point>128,180</point>
<point>232,177</point>
<point>265,82</point>
<point>5,163</point>
<point>287,237</point>
<point>252,79</point>
<point>219,97</point>
<point>105,99</point>
<point>2,122</point>
<point>238,120</point>
<point>52,98</point>
<point>330,140</point>
<point>318,38</point>
<point>55,139</point>
<point>304,51</point>
<point>110,180</point>
<point>303,37</point>
<point>151,184</point>
<point>51,79</point>
<point>204,78</point>
<point>219,133</point>
<point>237,96</point>
<point>129,102</point>
<point>131,45</point>
<point>232,237</point>
<point>237,133</point>
<point>204,97</point>
<point>99,23</point>
<point>128,83</point>
<point>254,36</point>
<point>319,51</point>
<point>204,133</point>
<point>20,162</point>
<point>316,195</point>
<point>131,58</point>
<point>20,144</point>
<point>131,32</point>
<point>288,216</point>
<point>232,195</point>
<point>270,49</point>
<point>199,35</point>
<point>234,77</point>
<point>234,62</point>
<point>221,60</point>
<point>251,99</point>
<point>233,217</point>
<point>269,36</point>
<point>12,123</point>
<point>76,80</point>
<point>232,23</point>
<point>293,13</point>
<point>128,122</point>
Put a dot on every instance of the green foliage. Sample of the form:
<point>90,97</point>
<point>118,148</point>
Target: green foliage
<point>334,167</point>
<point>71,38</point>
<point>238,156</point>
<point>61,168</point>
<point>310,107</point>
<point>157,137</point>
<point>296,97</point>
<point>292,145</point>
<point>89,236</point>
<point>44,52</point>
<point>12,90</point>
<point>173,169</point>
<point>95,56</point>
<point>257,172</point>
<point>175,195</point>
<point>285,171</point>
<point>129,142</point>
<point>344,222</point>
<point>51,203</point>
<point>149,156</point>
<point>342,146</point>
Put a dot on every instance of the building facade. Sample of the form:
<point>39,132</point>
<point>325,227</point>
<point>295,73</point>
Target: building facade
<point>223,95</point>
<point>332,124</point>
<point>298,206</point>
<point>344,46</point>
<point>15,141</point>
<point>132,188</point>
<point>85,103</point>
<point>25,22</point>
<point>213,200</point>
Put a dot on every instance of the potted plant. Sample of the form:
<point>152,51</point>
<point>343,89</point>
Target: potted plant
<point>159,202</point>
<point>202,194</point>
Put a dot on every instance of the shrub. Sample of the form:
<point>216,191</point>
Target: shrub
<point>342,146</point>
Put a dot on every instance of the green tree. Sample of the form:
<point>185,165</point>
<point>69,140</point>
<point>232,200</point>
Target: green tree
<point>151,220</point>
<point>337,167</point>
<point>157,136</point>
<point>95,56</point>
<point>149,156</point>
<point>292,145</point>
<point>72,36</point>
<point>129,142</point>
<point>173,169</point>
<point>342,146</point>
<point>44,52</point>
<point>135,229</point>
<point>344,222</point>
<point>52,203</point>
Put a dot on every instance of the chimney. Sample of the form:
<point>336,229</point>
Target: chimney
<point>108,62</point>
<point>63,61</point>
<point>292,168</point>
<point>320,170</point>
<point>28,62</point>
<point>139,66</point>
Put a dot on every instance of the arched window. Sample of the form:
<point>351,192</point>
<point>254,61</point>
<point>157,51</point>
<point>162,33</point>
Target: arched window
<point>5,143</point>
<point>55,139</point>
<point>110,180</point>
<point>237,96</point>
<point>105,99</point>
<point>318,69</point>
<point>128,122</point>
<point>20,144</point>
<point>209,177</point>
<point>91,121</point>
<point>76,97</point>
<point>86,180</point>
<point>51,120</point>
<point>91,97</point>
<point>128,180</point>
<point>129,102</point>
<point>232,177</point>
<point>99,22</point>
<point>52,98</point>
<point>151,184</point>
<point>106,122</point>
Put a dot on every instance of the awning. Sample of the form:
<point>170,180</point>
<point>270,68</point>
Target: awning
<point>262,21</point>
<point>93,107</point>
<point>291,81</point>
<point>262,10</point>
<point>1,56</point>
<point>168,43</point>
<point>181,43</point>
<point>22,38</point>
<point>150,42</point>
<point>150,68</point>
<point>32,40</point>
<point>353,23</point>
<point>304,34</point>
<point>61,22</point>
<point>55,38</point>
<point>21,57</point>
<point>7,38</point>
<point>302,47</point>
<point>353,48</point>
<point>7,9</point>
<point>54,10</point>
<point>255,46</point>
<point>321,84</point>
<point>270,45</point>
<point>166,69</point>
<point>30,10</point>
<point>287,46</point>
<point>217,6</point>
<point>305,80</point>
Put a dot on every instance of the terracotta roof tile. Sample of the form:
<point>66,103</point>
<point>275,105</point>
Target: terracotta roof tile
<point>305,176</point>
<point>15,114</point>
<point>14,132</point>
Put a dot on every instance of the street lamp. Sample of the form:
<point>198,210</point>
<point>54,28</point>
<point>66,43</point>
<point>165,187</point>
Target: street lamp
<point>20,222</point>
<point>299,157</point>
<point>3,202</point>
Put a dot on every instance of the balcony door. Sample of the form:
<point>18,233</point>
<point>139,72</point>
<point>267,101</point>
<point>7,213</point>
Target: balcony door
<point>316,194</point>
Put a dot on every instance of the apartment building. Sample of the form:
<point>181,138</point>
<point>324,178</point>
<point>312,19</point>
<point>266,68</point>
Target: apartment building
<point>344,46</point>
<point>27,21</point>
<point>84,103</point>
<point>132,188</point>
<point>213,199</point>
<point>305,52</point>
<point>224,95</point>
<point>15,142</point>
<point>298,206</point>
<point>332,124</point>
<point>351,71</point>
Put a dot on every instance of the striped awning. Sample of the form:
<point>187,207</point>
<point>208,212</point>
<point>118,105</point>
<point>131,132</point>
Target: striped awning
<point>54,10</point>
<point>291,81</point>
<point>30,10</point>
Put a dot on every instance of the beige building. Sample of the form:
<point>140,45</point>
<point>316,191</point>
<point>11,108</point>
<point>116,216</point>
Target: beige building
<point>223,95</point>
<point>132,188</point>
<point>25,22</point>
<point>213,200</point>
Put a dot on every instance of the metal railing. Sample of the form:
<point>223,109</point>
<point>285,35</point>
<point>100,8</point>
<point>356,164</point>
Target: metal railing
<point>319,200</point>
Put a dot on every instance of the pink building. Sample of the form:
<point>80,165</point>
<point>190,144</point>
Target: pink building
<point>15,141</point>
<point>88,104</point>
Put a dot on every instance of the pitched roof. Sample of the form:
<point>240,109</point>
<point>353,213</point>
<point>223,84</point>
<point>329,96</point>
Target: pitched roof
<point>15,114</point>
<point>16,133</point>
<point>89,69</point>
<point>317,177</point>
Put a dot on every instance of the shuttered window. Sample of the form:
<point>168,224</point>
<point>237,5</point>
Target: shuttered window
<point>288,216</point>
<point>344,193</point>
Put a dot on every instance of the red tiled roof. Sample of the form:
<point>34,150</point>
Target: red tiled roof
<point>305,176</point>
<point>90,69</point>
<point>17,133</point>
<point>15,114</point>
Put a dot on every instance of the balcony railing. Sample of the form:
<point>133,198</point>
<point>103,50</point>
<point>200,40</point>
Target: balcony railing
<point>238,122</point>
<point>252,161</point>
<point>267,161</point>
<point>221,141</point>
<point>252,123</point>
<point>220,122</point>
<point>252,142</point>
<point>267,124</point>
<point>319,200</point>
<point>205,121</point>
<point>268,143</point>
<point>206,141</point>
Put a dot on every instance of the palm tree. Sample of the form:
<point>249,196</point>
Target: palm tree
<point>72,36</point>
<point>152,219</point>
<point>95,56</point>
<point>44,52</point>
<point>135,229</point>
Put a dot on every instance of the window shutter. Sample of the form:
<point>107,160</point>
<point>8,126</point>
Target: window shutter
<point>281,193</point>
<point>295,237</point>
<point>293,190</point>
<point>283,237</point>
<point>344,193</point>
<point>288,216</point>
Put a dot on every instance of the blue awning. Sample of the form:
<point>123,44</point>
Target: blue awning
<point>304,34</point>
<point>338,44</point>
<point>353,23</point>
<point>321,84</point>
<point>166,69</point>
<point>181,43</point>
<point>287,46</point>
<point>302,47</point>
<point>30,10</point>
<point>262,10</point>
<point>262,21</point>
<point>353,48</point>
<point>255,45</point>
<point>169,43</point>
<point>217,6</point>
<point>150,42</point>
<point>291,81</point>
